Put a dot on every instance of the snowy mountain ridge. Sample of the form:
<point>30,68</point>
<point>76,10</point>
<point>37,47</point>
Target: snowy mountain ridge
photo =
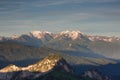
<point>47,36</point>
<point>39,34</point>
<point>103,38</point>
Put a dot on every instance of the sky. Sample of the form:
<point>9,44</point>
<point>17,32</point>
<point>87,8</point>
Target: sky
<point>94,17</point>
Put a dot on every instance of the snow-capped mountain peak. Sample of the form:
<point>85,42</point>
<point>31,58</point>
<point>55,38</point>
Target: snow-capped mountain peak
<point>39,37</point>
<point>71,34</point>
<point>14,37</point>
<point>103,38</point>
<point>40,34</point>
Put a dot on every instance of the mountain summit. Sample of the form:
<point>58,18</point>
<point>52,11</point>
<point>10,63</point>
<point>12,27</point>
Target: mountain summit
<point>48,64</point>
<point>42,35</point>
<point>10,68</point>
<point>71,34</point>
<point>52,67</point>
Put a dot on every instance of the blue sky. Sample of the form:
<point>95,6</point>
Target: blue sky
<point>97,17</point>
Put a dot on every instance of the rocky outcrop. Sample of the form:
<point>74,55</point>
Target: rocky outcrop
<point>48,64</point>
<point>95,74</point>
<point>52,67</point>
<point>10,68</point>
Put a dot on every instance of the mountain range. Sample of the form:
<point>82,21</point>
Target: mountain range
<point>81,53</point>
<point>70,41</point>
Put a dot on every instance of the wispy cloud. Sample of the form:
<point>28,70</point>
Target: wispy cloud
<point>101,1</point>
<point>61,2</point>
<point>6,4</point>
<point>13,5</point>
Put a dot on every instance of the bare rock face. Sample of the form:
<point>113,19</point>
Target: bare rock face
<point>10,68</point>
<point>52,67</point>
<point>95,74</point>
<point>48,64</point>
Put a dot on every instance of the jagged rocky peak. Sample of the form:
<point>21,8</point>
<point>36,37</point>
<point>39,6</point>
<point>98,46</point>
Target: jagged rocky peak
<point>49,63</point>
<point>47,69</point>
<point>39,34</point>
<point>42,35</point>
<point>45,65</point>
<point>10,68</point>
<point>71,34</point>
